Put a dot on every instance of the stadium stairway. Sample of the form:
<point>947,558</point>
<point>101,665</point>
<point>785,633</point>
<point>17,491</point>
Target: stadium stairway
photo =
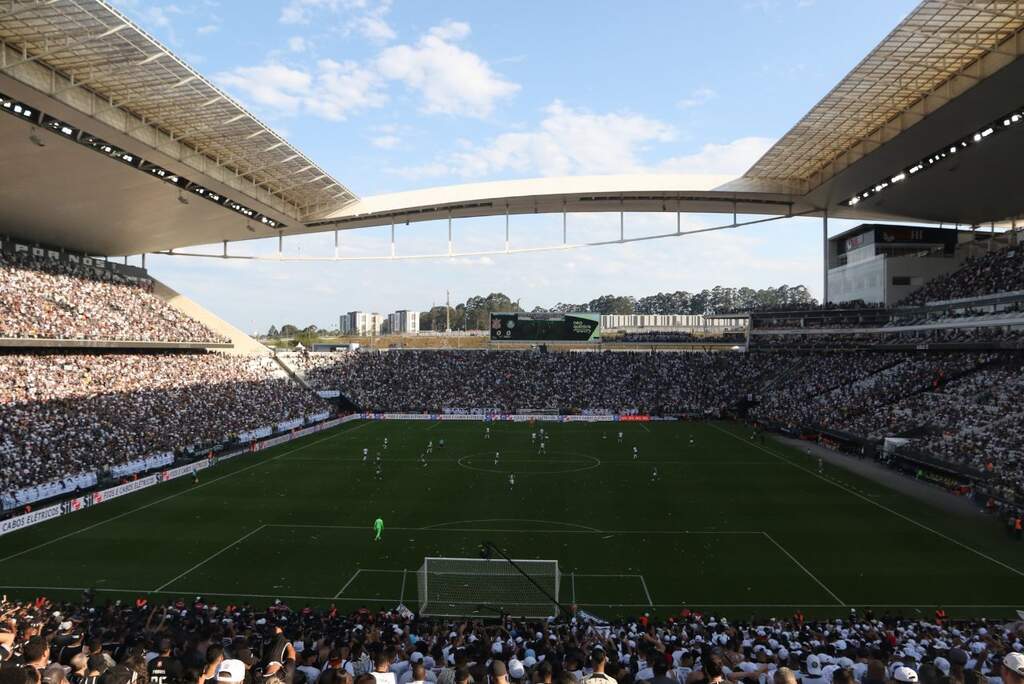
<point>285,362</point>
<point>241,343</point>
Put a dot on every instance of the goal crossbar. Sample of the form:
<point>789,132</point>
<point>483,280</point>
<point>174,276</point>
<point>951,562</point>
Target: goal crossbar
<point>454,587</point>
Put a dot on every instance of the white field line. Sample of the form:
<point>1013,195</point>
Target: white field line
<point>804,568</point>
<point>532,520</point>
<point>176,494</point>
<point>210,557</point>
<point>573,577</point>
<point>514,530</point>
<point>143,592</point>
<point>644,427</point>
<point>649,601</point>
<point>401,595</point>
<point>350,580</point>
<point>879,505</point>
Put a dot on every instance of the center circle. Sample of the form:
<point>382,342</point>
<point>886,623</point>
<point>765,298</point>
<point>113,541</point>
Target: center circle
<point>552,463</point>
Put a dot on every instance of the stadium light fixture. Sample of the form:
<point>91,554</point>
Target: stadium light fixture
<point>997,126</point>
<point>97,144</point>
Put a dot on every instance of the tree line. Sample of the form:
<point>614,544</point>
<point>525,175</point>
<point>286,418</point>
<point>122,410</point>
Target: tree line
<point>475,312</point>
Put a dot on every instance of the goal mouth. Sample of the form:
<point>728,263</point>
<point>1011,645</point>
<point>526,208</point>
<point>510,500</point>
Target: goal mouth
<point>464,587</point>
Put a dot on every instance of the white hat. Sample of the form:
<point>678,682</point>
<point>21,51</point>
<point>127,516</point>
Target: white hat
<point>840,645</point>
<point>496,648</point>
<point>813,665</point>
<point>1014,662</point>
<point>905,674</point>
<point>529,661</point>
<point>516,669</point>
<point>231,670</point>
<point>845,663</point>
<point>415,657</point>
<point>943,665</point>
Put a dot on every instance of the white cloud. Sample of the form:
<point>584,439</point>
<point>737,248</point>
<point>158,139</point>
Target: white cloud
<point>342,88</point>
<point>271,85</point>
<point>568,142</point>
<point>449,30</point>
<point>332,91</point>
<point>386,142</point>
<point>450,79</point>
<point>731,158</point>
<point>374,28</point>
<point>207,29</point>
<point>366,17</point>
<point>700,96</point>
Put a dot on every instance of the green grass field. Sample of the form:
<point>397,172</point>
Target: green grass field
<point>730,526</point>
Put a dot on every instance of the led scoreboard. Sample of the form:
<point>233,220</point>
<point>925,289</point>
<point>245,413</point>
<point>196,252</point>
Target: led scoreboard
<point>545,327</point>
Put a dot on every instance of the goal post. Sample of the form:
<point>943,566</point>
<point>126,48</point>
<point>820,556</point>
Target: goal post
<point>456,587</point>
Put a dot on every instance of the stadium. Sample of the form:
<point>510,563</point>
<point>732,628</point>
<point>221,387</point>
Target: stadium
<point>733,485</point>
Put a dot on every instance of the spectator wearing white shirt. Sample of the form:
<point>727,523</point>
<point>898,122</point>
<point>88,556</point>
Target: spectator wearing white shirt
<point>382,669</point>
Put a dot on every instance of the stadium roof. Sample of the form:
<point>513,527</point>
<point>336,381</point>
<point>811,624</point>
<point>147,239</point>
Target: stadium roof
<point>89,81</point>
<point>942,49</point>
<point>147,92</point>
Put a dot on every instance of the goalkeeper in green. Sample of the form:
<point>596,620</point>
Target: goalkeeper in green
<point>378,529</point>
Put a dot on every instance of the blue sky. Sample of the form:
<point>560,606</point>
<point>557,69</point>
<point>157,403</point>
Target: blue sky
<point>390,95</point>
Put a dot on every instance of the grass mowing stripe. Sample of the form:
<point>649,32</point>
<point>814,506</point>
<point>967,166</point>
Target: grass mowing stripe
<point>211,557</point>
<point>801,566</point>
<point>174,496</point>
<point>142,592</point>
<point>875,503</point>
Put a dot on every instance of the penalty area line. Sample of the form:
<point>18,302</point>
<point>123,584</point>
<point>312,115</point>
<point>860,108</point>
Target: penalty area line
<point>874,503</point>
<point>210,558</point>
<point>350,580</point>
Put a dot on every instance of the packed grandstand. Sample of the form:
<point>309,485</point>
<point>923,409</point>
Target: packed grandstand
<point>107,384</point>
<point>73,419</point>
<point>198,640</point>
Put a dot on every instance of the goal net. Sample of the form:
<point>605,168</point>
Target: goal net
<point>477,586</point>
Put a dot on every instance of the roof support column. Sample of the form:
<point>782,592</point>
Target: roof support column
<point>565,233</point>
<point>449,232</point>
<point>824,256</point>
<point>280,244</point>
<point>622,223</point>
<point>335,244</point>
<point>224,253</point>
<point>392,238</point>
<point>506,227</point>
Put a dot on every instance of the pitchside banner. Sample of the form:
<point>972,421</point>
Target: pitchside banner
<point>502,417</point>
<point>88,500</point>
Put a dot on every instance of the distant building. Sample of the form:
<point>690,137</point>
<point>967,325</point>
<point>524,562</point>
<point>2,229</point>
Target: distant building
<point>882,264</point>
<point>362,323</point>
<point>344,324</point>
<point>404,321</point>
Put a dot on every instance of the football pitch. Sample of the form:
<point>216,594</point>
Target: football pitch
<point>728,525</point>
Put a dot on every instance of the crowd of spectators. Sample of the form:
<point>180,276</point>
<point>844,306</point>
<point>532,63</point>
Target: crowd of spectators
<point>430,381</point>
<point>1001,271</point>
<point>64,414</point>
<point>197,642</point>
<point>53,299</point>
<point>657,336</point>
